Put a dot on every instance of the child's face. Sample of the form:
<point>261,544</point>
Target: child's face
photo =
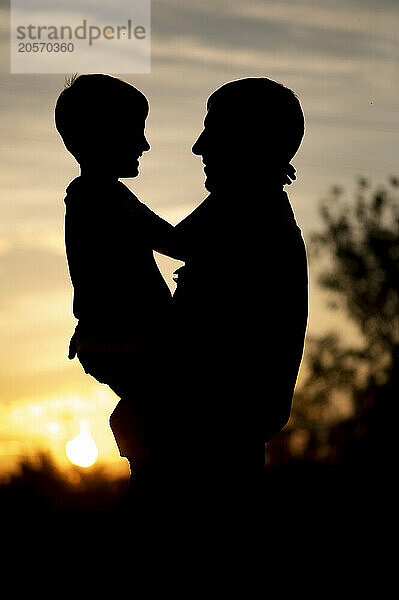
<point>126,144</point>
<point>116,150</point>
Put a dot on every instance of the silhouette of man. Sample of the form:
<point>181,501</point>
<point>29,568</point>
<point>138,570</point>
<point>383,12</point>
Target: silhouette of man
<point>241,300</point>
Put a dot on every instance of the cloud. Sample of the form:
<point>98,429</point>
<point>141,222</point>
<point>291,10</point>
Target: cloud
<point>331,27</point>
<point>355,18</point>
<point>190,50</point>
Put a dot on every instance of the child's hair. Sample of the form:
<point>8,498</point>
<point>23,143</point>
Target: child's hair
<point>90,105</point>
<point>267,106</point>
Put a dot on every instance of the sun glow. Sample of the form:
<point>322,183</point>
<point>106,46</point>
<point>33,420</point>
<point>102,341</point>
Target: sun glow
<point>82,449</point>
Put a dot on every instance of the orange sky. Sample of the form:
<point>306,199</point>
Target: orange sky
<point>341,60</point>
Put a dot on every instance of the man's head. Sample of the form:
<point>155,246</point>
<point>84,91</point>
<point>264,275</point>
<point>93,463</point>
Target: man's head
<point>101,120</point>
<point>253,128</point>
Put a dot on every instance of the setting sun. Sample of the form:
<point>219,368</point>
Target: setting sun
<point>82,449</point>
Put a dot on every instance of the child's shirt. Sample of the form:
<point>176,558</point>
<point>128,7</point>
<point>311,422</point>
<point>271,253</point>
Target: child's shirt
<point>119,294</point>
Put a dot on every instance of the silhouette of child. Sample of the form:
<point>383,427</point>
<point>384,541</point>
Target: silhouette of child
<point>120,299</point>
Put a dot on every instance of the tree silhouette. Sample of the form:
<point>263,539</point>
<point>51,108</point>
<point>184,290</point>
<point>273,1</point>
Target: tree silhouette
<point>362,239</point>
<point>356,258</point>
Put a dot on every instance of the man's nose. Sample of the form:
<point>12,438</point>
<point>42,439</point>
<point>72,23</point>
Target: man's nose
<point>198,145</point>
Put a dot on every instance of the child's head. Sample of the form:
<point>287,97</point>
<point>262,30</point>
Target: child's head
<point>252,125</point>
<point>101,120</point>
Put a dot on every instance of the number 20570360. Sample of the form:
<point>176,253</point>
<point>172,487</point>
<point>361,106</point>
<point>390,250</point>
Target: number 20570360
<point>45,47</point>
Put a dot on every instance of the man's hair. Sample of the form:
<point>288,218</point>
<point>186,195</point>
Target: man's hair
<point>91,104</point>
<point>275,109</point>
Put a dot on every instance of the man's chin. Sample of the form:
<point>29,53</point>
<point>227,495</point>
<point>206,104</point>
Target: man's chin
<point>212,184</point>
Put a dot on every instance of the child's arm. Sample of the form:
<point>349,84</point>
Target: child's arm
<point>161,234</point>
<point>158,233</point>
